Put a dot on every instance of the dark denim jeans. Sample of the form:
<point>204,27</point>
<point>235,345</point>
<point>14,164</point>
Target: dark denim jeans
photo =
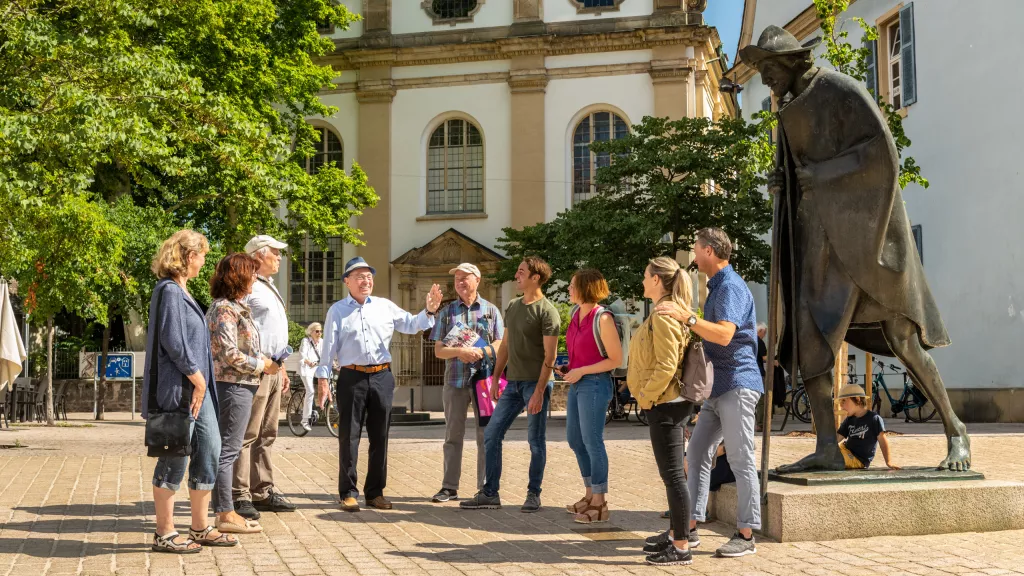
<point>515,398</point>
<point>585,411</point>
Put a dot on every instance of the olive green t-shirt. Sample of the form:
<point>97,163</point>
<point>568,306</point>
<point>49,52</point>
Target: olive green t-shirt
<point>526,325</point>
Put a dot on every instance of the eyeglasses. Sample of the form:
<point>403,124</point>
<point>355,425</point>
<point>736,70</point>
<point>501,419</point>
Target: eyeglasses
<point>317,332</point>
<point>362,277</point>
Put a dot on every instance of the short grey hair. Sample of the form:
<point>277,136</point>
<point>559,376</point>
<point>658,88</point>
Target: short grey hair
<point>312,327</point>
<point>261,254</point>
<point>718,240</point>
<point>761,326</point>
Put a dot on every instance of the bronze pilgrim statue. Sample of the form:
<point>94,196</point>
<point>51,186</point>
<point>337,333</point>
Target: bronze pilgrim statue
<point>848,265</point>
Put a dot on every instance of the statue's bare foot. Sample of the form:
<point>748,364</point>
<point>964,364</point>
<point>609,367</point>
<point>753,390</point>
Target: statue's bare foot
<point>829,459</point>
<point>959,456</point>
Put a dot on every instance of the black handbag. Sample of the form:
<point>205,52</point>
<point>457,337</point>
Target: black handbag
<point>167,433</point>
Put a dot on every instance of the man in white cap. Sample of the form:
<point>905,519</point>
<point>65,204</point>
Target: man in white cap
<point>464,367</point>
<point>253,486</point>
<point>357,335</point>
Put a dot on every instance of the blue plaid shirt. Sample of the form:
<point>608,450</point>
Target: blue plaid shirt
<point>735,364</point>
<point>481,316</point>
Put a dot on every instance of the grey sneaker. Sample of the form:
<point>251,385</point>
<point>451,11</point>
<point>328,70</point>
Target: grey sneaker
<point>481,501</point>
<point>693,539</point>
<point>532,503</point>
<point>737,546</point>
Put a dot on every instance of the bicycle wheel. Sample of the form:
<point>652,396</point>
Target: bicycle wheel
<point>919,409</point>
<point>610,413</point>
<point>331,414</point>
<point>876,402</point>
<point>641,415</point>
<point>801,406</point>
<point>294,413</point>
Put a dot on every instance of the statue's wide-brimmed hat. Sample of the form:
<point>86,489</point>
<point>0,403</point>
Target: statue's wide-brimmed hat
<point>775,41</point>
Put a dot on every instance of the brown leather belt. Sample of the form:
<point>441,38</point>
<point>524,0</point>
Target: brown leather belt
<point>372,369</point>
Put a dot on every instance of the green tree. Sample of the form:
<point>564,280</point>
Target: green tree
<point>74,247</point>
<point>854,62</point>
<point>669,178</point>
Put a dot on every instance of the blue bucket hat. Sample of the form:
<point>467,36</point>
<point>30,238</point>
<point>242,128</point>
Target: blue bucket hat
<point>355,264</point>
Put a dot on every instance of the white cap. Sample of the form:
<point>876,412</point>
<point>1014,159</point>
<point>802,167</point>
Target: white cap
<point>261,241</point>
<point>467,268</point>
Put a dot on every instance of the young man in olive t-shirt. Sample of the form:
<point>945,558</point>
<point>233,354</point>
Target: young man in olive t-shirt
<point>528,350</point>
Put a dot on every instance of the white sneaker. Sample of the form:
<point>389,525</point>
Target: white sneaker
<point>307,427</point>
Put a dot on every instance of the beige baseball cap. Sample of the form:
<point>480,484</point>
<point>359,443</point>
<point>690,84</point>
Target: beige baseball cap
<point>261,241</point>
<point>467,268</point>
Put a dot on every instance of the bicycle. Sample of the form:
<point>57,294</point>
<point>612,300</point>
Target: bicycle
<point>912,402</point>
<point>329,416</point>
<point>619,409</point>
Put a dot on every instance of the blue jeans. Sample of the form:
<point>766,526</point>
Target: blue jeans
<point>202,466</point>
<point>586,408</point>
<point>516,396</point>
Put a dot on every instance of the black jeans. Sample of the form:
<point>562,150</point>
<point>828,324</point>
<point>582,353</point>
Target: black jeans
<point>667,422</point>
<point>364,397</point>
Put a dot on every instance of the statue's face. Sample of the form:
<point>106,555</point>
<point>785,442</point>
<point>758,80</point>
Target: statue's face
<point>777,76</point>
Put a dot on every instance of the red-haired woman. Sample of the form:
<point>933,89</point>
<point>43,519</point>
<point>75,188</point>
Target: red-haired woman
<point>238,364</point>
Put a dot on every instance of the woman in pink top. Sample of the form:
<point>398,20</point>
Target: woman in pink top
<point>589,374</point>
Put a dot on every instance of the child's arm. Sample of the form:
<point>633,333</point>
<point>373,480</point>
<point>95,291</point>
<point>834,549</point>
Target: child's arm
<point>883,443</point>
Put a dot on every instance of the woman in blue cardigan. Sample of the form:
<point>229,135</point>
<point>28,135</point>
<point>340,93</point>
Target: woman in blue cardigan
<point>184,383</point>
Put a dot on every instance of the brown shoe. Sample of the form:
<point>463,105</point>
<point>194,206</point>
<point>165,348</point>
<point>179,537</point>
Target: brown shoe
<point>350,504</point>
<point>380,503</point>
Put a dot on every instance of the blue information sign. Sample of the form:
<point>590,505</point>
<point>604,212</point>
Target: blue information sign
<point>120,366</point>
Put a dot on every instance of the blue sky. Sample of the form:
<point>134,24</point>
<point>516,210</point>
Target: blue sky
<point>727,16</point>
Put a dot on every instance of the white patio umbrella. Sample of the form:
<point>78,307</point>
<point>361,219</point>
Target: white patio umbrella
<point>12,349</point>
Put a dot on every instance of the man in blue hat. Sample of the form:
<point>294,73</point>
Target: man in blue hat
<point>357,334</point>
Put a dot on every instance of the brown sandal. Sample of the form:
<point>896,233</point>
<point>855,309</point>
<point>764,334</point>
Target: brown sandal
<point>579,506</point>
<point>593,514</point>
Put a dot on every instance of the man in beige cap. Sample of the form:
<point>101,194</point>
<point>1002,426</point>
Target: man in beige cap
<point>463,368</point>
<point>253,486</point>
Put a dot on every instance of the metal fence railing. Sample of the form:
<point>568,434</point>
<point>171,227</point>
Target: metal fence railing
<point>413,362</point>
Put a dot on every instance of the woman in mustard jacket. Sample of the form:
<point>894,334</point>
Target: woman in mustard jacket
<point>655,356</point>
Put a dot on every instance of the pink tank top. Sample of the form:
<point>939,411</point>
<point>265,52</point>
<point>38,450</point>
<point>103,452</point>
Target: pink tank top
<point>579,340</point>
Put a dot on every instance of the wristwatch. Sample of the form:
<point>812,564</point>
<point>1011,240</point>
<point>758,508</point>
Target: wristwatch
<point>429,313</point>
<point>279,362</point>
<point>691,321</point>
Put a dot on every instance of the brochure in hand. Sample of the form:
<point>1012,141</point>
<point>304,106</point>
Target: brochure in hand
<point>462,336</point>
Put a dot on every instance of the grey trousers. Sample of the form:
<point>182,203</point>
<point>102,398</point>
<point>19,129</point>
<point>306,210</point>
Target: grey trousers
<point>456,405</point>
<point>729,417</point>
<point>254,472</point>
<point>235,409</point>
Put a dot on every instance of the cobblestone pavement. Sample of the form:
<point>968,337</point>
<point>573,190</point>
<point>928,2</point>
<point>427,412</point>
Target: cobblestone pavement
<point>78,500</point>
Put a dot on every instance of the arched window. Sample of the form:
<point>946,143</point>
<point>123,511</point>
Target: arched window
<point>328,151</point>
<point>451,11</point>
<point>594,127</point>
<point>455,168</point>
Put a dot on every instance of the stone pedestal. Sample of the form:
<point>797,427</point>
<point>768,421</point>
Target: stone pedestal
<point>832,512</point>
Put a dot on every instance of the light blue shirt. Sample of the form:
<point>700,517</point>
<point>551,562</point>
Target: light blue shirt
<point>360,334</point>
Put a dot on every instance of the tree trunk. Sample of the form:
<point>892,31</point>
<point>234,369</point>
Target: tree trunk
<point>49,371</point>
<point>101,367</point>
<point>232,234</point>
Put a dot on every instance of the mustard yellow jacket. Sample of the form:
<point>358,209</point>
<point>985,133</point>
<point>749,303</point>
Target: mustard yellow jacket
<point>655,356</point>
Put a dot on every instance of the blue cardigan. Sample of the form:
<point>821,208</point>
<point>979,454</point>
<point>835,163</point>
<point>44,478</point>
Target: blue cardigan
<point>184,348</point>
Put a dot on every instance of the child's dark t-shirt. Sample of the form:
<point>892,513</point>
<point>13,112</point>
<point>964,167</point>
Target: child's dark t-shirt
<point>862,435</point>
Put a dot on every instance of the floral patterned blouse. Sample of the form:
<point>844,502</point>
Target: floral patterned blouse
<point>235,343</point>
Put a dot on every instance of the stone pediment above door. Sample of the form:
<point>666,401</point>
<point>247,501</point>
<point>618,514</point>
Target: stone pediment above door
<point>429,264</point>
<point>447,251</point>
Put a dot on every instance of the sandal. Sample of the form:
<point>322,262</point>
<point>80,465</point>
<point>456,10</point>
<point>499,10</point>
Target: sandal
<point>247,527</point>
<point>579,506</point>
<point>202,537</point>
<point>593,514</point>
<point>169,545</point>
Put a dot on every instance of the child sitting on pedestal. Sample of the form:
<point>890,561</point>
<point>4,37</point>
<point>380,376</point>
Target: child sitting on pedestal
<point>861,430</point>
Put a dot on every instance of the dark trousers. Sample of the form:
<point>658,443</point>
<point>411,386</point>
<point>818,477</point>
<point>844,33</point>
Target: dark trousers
<point>364,398</point>
<point>667,422</point>
<point>235,402</point>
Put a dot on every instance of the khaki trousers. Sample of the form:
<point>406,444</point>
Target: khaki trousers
<point>254,472</point>
<point>456,405</point>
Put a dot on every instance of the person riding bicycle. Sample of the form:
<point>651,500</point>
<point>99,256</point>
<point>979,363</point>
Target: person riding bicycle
<point>861,431</point>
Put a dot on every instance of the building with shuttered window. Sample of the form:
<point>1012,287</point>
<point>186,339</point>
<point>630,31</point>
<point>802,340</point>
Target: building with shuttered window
<point>930,61</point>
<point>470,116</point>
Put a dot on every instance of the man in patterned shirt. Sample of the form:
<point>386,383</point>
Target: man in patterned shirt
<point>729,332</point>
<point>463,368</point>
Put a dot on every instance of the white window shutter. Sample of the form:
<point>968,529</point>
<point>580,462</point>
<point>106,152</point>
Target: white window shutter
<point>907,60</point>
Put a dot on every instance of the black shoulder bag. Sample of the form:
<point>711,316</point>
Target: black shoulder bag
<point>167,433</point>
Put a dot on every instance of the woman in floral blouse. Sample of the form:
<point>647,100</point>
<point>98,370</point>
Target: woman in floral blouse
<point>238,364</point>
